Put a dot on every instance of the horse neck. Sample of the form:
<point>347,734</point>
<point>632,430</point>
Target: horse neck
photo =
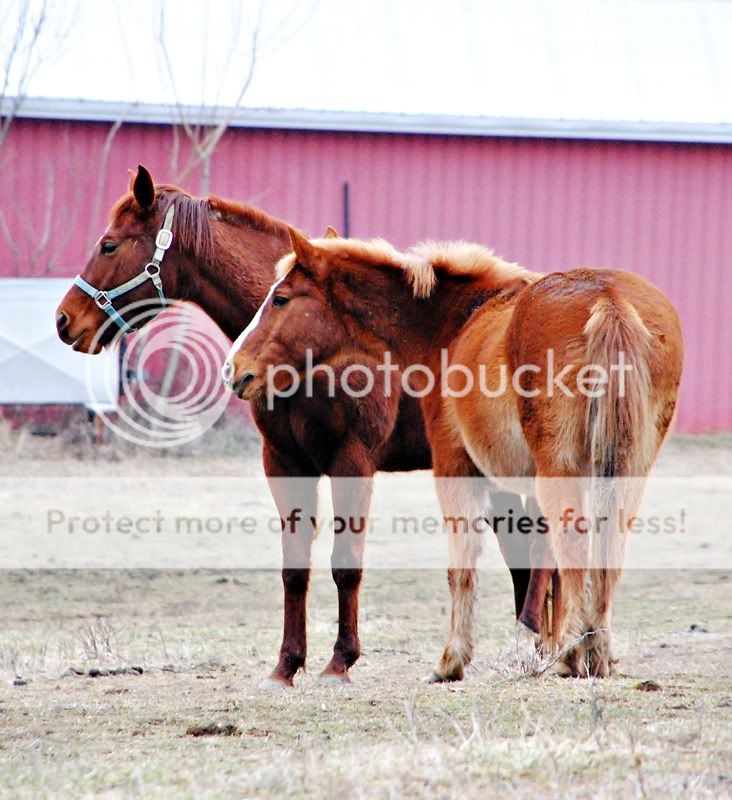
<point>415,328</point>
<point>436,323</point>
<point>234,282</point>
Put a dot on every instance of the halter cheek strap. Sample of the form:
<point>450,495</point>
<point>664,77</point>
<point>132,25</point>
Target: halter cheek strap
<point>151,272</point>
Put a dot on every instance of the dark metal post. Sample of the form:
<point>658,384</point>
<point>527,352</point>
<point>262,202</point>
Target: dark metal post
<point>346,210</point>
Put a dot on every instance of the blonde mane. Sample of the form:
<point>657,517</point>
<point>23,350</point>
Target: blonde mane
<point>424,263</point>
<point>461,259</point>
<point>377,252</point>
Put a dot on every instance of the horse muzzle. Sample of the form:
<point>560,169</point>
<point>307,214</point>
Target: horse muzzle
<point>239,374</point>
<point>240,386</point>
<point>79,330</point>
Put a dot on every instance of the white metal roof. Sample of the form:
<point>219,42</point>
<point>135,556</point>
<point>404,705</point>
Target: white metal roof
<point>615,67</point>
<point>300,119</point>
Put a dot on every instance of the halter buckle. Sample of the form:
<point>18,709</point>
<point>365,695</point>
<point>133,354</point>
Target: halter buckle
<point>153,270</point>
<point>164,239</point>
<point>101,299</point>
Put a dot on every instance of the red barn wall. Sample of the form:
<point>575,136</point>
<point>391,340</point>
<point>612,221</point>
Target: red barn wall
<point>662,210</point>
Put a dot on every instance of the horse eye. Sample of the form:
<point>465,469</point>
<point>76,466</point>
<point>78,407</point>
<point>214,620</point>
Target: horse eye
<point>279,300</point>
<point>108,248</point>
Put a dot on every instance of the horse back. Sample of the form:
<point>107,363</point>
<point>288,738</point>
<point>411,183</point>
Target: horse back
<point>552,314</point>
<point>544,333</point>
<point>571,323</point>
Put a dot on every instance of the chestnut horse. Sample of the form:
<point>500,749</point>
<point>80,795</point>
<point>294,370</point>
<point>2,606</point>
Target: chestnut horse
<point>368,298</point>
<point>221,255</point>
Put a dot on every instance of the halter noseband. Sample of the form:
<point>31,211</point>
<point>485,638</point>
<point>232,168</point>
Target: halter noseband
<point>151,271</point>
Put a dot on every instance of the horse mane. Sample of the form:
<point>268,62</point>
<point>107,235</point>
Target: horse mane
<point>193,215</point>
<point>374,252</point>
<point>463,260</point>
<point>424,263</point>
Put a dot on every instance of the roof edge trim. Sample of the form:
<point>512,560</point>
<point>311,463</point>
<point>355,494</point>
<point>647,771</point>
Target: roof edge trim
<point>371,122</point>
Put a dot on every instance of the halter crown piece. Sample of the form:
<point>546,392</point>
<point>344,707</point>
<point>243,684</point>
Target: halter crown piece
<point>151,271</point>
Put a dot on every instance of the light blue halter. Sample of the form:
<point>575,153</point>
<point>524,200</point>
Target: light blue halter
<point>103,297</point>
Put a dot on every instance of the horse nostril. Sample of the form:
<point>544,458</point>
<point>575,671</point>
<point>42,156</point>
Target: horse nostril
<point>62,322</point>
<point>243,382</point>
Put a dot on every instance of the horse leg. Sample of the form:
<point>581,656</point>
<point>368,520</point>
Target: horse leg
<point>622,501</point>
<point>561,505</point>
<point>529,559</point>
<point>514,546</point>
<point>463,500</point>
<point>296,500</point>
<point>535,613</point>
<point>351,501</point>
<point>529,584</point>
<point>599,648</point>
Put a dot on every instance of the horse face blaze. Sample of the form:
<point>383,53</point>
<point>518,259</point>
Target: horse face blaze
<point>293,328</point>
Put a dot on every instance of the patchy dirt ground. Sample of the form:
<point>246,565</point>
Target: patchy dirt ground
<point>196,721</point>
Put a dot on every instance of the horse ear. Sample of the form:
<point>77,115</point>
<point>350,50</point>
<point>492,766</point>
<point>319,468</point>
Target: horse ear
<point>331,233</point>
<point>133,175</point>
<point>143,188</point>
<point>303,249</point>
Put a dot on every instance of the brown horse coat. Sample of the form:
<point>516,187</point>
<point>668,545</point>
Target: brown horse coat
<point>222,259</point>
<point>368,298</point>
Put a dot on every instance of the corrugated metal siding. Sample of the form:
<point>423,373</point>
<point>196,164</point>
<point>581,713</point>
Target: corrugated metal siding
<point>661,210</point>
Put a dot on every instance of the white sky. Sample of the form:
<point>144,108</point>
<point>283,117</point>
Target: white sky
<point>657,60</point>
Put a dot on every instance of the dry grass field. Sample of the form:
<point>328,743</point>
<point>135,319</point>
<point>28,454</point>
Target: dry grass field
<point>193,719</point>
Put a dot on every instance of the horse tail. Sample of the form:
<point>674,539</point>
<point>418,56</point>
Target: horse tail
<point>620,433</point>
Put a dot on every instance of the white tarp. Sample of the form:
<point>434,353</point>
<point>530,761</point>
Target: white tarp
<point>35,366</point>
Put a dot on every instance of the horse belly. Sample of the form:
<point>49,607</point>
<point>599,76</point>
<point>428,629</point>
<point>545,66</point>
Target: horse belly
<point>407,447</point>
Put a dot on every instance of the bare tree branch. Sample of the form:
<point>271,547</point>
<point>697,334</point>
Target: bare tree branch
<point>236,28</point>
<point>42,243</point>
<point>22,60</point>
<point>14,47</point>
<point>12,244</point>
<point>215,135</point>
<point>72,206</point>
<point>101,179</point>
<point>204,138</point>
<point>170,73</point>
<point>175,151</point>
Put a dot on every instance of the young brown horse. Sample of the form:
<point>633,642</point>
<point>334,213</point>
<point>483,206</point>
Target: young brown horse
<point>362,295</point>
<point>607,349</point>
<point>222,257</point>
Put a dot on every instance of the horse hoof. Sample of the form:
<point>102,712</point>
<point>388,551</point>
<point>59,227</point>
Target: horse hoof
<point>274,683</point>
<point>528,648</point>
<point>334,679</point>
<point>600,663</point>
<point>563,670</point>
<point>601,667</point>
<point>436,677</point>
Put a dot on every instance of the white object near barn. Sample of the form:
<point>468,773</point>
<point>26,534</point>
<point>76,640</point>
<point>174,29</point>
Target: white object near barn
<point>36,367</point>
